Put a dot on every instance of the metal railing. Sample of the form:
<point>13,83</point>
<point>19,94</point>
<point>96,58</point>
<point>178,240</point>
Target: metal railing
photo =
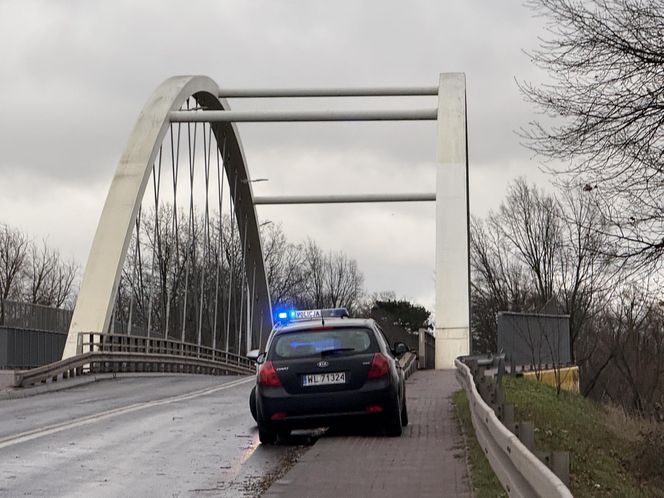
<point>409,363</point>
<point>520,472</point>
<point>110,353</point>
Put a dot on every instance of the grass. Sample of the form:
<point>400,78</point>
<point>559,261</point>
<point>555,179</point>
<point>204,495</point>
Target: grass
<point>604,450</point>
<point>484,482</point>
<point>611,453</point>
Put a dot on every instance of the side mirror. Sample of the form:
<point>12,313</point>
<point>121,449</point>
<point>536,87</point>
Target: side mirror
<point>261,358</point>
<point>253,354</point>
<point>400,349</point>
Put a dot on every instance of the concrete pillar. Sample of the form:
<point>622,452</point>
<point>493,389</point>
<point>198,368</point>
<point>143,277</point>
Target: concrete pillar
<point>452,222</point>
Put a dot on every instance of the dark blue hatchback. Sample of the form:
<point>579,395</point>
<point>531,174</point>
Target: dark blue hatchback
<point>322,372</point>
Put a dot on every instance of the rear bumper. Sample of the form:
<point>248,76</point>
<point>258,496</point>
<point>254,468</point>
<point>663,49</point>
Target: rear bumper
<point>323,409</point>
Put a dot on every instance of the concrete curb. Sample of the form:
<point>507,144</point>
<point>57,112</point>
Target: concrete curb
<point>53,387</point>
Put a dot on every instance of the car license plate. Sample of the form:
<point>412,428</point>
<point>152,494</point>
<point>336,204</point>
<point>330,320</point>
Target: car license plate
<point>324,379</point>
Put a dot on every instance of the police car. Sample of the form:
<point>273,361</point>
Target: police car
<point>321,368</point>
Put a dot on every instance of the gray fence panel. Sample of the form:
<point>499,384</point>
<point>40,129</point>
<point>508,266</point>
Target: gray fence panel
<point>4,349</point>
<point>534,339</point>
<point>34,316</point>
<point>24,348</point>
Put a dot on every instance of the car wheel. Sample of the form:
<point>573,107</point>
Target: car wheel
<point>393,428</point>
<point>267,437</point>
<point>404,414</point>
<point>252,403</point>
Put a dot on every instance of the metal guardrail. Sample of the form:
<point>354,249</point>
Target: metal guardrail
<point>117,343</point>
<point>409,363</point>
<point>519,471</point>
<point>102,353</point>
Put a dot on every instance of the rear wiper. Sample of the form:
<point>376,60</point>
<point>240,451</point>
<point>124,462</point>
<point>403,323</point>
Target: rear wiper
<point>328,352</point>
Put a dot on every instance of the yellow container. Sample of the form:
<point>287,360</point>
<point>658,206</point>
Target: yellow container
<point>569,377</point>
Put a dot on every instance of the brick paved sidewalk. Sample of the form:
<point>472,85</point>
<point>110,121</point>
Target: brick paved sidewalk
<point>425,461</point>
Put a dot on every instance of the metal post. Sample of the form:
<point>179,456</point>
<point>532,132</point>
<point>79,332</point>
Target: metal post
<point>507,416</point>
<point>452,221</point>
<point>560,465</point>
<point>526,434</point>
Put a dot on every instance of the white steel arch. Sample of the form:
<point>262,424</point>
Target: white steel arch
<point>109,248</point>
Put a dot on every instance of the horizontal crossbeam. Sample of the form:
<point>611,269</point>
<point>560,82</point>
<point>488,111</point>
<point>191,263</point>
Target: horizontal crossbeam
<point>393,91</point>
<point>340,199</point>
<point>287,116</point>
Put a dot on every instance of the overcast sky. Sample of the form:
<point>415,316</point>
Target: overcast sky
<point>75,74</point>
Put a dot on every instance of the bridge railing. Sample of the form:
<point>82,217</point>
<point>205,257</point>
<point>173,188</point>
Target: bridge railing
<point>110,353</point>
<point>115,343</point>
<point>408,363</point>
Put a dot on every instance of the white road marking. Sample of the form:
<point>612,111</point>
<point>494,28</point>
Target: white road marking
<point>55,428</point>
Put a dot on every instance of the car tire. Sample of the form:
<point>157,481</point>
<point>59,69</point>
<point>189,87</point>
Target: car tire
<point>267,437</point>
<point>252,404</point>
<point>393,427</point>
<point>404,414</point>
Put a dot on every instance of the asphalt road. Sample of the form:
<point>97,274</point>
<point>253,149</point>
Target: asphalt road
<point>140,436</point>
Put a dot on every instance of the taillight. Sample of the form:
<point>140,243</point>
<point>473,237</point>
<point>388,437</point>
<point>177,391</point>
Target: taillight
<point>267,375</point>
<point>380,366</point>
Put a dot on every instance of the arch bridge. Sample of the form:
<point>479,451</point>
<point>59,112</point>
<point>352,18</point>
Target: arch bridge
<point>176,279</point>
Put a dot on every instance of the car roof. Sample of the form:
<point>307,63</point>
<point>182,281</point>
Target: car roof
<point>329,322</point>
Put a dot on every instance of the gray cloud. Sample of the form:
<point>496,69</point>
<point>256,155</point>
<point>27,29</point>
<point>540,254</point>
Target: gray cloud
<point>75,75</point>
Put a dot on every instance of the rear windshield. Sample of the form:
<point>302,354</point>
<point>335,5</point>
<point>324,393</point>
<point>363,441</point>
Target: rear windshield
<point>314,342</point>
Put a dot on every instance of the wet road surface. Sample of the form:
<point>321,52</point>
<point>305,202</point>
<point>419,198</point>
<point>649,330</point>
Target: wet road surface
<point>139,436</point>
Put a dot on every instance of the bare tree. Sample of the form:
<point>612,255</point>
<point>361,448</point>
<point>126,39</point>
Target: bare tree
<point>49,279</point>
<point>14,252</point>
<point>616,317</point>
<point>536,252</point>
<point>344,281</point>
<point>530,221</point>
<point>605,61</point>
<point>330,280</point>
<point>189,281</point>
<point>314,270</point>
<point>496,272</point>
<point>514,260</point>
<point>283,265</point>
<point>498,283</point>
<point>631,350</point>
<point>587,277</point>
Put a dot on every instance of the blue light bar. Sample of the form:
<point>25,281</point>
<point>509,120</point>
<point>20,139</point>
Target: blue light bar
<point>284,317</point>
